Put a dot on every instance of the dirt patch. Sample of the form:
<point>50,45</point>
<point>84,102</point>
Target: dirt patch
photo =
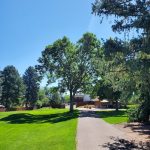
<point>136,131</point>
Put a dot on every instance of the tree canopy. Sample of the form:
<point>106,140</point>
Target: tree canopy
<point>129,13</point>
<point>12,87</point>
<point>131,64</point>
<point>32,82</point>
<point>71,64</point>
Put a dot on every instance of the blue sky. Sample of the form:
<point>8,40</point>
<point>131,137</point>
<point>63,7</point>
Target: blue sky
<point>28,26</point>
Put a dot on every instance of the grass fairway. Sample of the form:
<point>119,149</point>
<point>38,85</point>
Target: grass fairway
<point>113,117</point>
<point>47,129</point>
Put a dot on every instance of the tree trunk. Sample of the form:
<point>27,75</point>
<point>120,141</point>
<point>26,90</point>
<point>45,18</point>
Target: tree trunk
<point>116,105</point>
<point>146,117</point>
<point>7,104</point>
<point>26,105</point>
<point>71,101</point>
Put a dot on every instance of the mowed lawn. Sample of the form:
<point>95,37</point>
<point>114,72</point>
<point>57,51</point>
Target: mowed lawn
<point>113,117</point>
<point>44,129</point>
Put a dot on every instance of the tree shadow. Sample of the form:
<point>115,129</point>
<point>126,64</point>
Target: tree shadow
<point>122,144</point>
<point>102,114</point>
<point>105,114</point>
<point>23,118</point>
<point>141,128</point>
<point>91,114</point>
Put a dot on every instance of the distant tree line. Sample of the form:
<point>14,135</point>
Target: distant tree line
<point>24,91</point>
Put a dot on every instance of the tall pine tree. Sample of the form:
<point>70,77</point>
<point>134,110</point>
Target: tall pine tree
<point>12,87</point>
<point>32,82</point>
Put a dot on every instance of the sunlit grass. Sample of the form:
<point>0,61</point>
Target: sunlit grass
<point>47,129</point>
<point>113,117</point>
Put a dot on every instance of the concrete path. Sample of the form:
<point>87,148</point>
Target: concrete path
<point>95,134</point>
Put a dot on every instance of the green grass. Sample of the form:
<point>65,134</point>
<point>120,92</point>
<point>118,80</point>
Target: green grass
<point>113,117</point>
<point>47,129</point>
<point>132,106</point>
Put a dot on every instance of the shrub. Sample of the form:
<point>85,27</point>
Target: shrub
<point>144,111</point>
<point>133,114</point>
<point>56,104</point>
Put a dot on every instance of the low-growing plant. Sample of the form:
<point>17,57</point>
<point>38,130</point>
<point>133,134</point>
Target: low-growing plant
<point>56,104</point>
<point>133,114</point>
<point>139,113</point>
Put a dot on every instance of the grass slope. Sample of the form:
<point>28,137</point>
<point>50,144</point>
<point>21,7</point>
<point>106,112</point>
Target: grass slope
<point>113,117</point>
<point>47,129</point>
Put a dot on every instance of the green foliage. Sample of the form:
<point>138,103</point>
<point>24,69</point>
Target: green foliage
<point>12,87</point>
<point>32,82</point>
<point>129,62</point>
<point>67,98</point>
<point>105,91</point>
<point>71,64</point>
<point>115,83</point>
<point>144,111</point>
<point>127,16</point>
<point>139,112</point>
<point>133,114</point>
<point>113,46</point>
<point>55,98</point>
<point>51,129</point>
<point>43,100</point>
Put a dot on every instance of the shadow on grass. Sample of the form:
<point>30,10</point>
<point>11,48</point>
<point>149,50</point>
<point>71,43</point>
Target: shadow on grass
<point>122,144</point>
<point>105,114</point>
<point>23,118</point>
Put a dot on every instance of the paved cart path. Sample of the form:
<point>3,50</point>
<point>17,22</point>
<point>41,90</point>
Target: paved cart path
<point>94,134</point>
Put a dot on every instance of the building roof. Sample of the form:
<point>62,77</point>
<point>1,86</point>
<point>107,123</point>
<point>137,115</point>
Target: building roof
<point>95,100</point>
<point>79,95</point>
<point>2,106</point>
<point>104,101</point>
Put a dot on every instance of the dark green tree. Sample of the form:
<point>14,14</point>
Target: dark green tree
<point>128,14</point>
<point>105,90</point>
<point>12,87</point>
<point>55,97</point>
<point>32,81</point>
<point>72,65</point>
<point>133,14</point>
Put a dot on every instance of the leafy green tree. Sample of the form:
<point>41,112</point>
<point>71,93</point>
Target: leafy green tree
<point>42,94</point>
<point>105,90</point>
<point>72,65</point>
<point>12,87</point>
<point>66,98</point>
<point>133,15</point>
<point>55,96</point>
<point>32,81</point>
<point>43,100</point>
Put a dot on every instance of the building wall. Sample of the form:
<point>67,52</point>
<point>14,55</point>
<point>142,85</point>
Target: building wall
<point>86,98</point>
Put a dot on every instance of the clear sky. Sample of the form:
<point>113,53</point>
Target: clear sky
<point>27,26</point>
